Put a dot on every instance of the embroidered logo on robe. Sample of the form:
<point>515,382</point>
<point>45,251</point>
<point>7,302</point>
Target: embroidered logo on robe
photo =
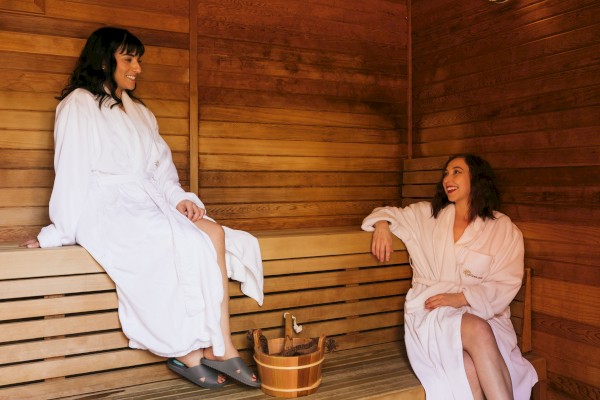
<point>156,163</point>
<point>468,272</point>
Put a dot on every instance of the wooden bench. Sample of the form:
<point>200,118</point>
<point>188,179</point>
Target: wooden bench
<point>59,330</point>
<point>60,336</point>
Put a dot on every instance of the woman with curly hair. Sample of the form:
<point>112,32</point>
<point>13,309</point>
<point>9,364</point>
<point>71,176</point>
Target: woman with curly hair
<point>467,261</point>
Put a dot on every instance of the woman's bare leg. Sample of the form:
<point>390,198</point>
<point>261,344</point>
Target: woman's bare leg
<point>217,236</point>
<point>472,377</point>
<point>192,359</point>
<point>480,344</point>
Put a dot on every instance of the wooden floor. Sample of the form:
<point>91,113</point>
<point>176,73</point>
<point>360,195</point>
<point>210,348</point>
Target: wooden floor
<point>374,372</point>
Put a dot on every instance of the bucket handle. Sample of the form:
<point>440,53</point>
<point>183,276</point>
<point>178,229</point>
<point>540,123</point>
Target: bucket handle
<point>321,346</point>
<point>257,333</point>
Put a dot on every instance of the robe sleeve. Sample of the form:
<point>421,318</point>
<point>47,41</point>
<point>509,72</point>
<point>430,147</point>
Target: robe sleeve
<point>72,166</point>
<point>404,222</point>
<point>504,280</point>
<point>166,174</point>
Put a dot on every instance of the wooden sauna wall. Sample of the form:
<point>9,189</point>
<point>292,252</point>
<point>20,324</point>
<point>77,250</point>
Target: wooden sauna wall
<point>302,105</point>
<point>39,44</point>
<point>302,110</point>
<point>519,83</point>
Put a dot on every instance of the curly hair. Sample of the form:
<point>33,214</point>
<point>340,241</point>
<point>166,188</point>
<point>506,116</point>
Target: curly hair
<point>96,64</point>
<point>484,198</point>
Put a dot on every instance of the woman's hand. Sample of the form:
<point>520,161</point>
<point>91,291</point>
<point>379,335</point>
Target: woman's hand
<point>381,244</point>
<point>455,300</point>
<point>31,244</point>
<point>190,210</point>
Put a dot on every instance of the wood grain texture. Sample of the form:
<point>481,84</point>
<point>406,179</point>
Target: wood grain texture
<point>288,89</point>
<point>517,84</point>
<point>386,364</point>
<point>59,308</point>
<point>59,314</point>
<point>38,52</point>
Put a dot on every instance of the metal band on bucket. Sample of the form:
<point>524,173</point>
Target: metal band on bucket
<point>293,367</point>
<point>292,390</point>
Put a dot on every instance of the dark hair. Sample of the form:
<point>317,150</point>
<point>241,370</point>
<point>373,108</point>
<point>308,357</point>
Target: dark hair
<point>484,198</point>
<point>96,64</point>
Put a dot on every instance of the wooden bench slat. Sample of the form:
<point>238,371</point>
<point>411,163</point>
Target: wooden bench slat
<point>102,381</point>
<point>331,327</point>
<point>343,326</point>
<point>315,264</point>
<point>56,306</point>
<point>319,313</point>
<point>284,283</point>
<point>62,347</point>
<point>30,263</point>
<point>55,285</point>
<point>26,330</point>
<point>74,365</point>
<point>320,296</point>
<point>319,243</point>
<point>368,338</point>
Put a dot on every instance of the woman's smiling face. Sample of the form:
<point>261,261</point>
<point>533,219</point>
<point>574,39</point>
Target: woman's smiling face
<point>457,181</point>
<point>127,70</point>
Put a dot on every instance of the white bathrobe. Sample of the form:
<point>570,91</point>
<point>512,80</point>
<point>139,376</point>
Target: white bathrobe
<point>115,193</point>
<point>486,264</point>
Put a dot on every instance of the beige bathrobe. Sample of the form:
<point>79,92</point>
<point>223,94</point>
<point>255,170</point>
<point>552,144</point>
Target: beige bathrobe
<point>115,194</point>
<point>486,264</point>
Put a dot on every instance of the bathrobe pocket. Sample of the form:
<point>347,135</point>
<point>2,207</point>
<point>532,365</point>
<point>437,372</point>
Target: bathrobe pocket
<point>475,268</point>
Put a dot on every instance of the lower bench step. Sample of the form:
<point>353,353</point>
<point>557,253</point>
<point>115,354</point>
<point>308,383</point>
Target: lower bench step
<point>373,372</point>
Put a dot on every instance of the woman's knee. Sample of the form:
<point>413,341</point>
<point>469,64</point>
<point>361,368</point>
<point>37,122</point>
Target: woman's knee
<point>212,229</point>
<point>475,330</point>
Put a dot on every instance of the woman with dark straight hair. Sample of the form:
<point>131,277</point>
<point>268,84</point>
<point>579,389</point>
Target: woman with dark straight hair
<point>117,194</point>
<point>468,262</point>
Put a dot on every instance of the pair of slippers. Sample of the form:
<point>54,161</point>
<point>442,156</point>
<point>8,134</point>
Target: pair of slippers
<point>206,373</point>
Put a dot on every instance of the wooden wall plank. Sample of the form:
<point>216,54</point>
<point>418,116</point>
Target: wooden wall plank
<point>551,121</point>
<point>320,179</point>
<point>286,207</point>
<point>299,148</point>
<point>262,130</point>
<point>106,14</point>
<point>226,162</point>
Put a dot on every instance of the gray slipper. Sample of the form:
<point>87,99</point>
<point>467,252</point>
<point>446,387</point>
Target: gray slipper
<point>195,374</point>
<point>234,368</point>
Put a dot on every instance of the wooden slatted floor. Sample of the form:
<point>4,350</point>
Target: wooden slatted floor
<point>374,372</point>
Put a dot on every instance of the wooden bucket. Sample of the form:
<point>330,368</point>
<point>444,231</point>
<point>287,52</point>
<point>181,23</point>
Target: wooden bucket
<point>293,376</point>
